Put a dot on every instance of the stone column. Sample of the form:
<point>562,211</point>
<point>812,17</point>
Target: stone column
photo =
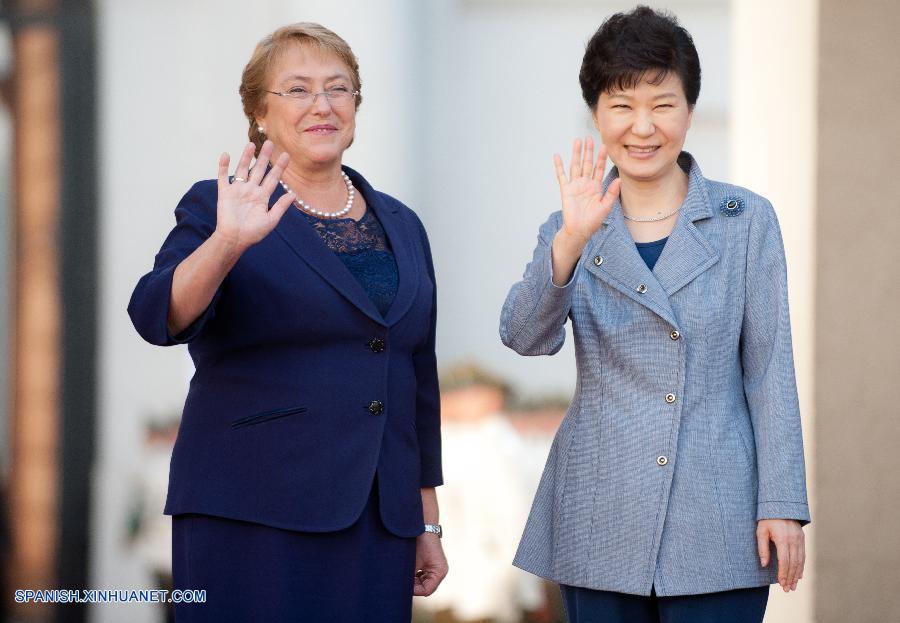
<point>773,152</point>
<point>35,427</point>
<point>857,300</point>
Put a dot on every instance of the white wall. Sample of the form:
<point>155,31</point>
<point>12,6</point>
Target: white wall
<point>774,108</point>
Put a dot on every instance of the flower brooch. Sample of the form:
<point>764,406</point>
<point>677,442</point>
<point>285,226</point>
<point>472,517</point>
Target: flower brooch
<point>731,206</point>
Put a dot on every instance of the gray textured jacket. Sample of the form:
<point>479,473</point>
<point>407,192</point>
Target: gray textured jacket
<point>685,427</point>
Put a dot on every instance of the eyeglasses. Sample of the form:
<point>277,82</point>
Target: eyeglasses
<point>337,97</point>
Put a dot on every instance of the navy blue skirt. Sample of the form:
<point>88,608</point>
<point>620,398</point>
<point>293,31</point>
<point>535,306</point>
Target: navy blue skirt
<point>252,572</point>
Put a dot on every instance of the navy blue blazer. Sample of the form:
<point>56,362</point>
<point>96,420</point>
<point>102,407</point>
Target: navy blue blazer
<point>302,390</point>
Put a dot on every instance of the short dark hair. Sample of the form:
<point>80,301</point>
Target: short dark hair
<point>642,44</point>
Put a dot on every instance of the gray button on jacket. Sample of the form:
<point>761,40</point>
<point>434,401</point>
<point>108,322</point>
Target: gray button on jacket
<point>672,448</point>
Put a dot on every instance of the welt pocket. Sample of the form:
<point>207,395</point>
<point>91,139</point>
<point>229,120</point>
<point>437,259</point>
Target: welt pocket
<point>266,416</point>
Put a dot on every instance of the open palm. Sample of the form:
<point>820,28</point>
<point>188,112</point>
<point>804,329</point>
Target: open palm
<point>584,205</point>
<point>243,216</point>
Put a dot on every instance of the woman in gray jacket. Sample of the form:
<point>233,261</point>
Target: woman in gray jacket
<point>675,489</point>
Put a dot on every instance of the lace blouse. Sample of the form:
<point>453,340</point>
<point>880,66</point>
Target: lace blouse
<point>365,250</point>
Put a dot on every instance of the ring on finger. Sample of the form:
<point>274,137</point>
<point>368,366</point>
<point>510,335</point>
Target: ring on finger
<point>239,179</point>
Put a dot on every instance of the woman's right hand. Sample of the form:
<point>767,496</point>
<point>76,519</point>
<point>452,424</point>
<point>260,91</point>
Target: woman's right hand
<point>584,206</point>
<point>243,217</point>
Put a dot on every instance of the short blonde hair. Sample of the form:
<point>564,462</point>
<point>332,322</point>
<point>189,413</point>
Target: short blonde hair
<point>256,73</point>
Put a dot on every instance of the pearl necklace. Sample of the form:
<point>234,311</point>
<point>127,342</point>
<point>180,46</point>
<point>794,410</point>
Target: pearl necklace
<point>351,193</point>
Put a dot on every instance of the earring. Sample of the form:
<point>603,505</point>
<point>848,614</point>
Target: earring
<point>260,128</point>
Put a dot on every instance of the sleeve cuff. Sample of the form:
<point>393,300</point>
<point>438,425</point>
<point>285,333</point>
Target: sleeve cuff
<point>433,478</point>
<point>195,327</point>
<point>550,272</point>
<point>798,511</point>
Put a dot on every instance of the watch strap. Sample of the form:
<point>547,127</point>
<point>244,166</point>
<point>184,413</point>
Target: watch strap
<point>434,528</point>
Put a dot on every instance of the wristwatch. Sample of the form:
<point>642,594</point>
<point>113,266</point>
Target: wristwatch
<point>434,528</point>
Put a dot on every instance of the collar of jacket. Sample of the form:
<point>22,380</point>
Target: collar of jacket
<point>302,238</point>
<point>686,255</point>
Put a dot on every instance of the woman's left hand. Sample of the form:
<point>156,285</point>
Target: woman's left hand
<point>790,547</point>
<point>431,564</point>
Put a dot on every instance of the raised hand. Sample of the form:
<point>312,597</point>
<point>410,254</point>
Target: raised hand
<point>243,217</point>
<point>584,206</point>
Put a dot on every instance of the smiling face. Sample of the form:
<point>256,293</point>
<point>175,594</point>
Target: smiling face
<point>313,133</point>
<point>644,127</point>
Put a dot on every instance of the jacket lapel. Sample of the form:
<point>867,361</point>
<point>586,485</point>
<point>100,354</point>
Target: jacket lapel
<point>300,236</point>
<point>686,254</point>
<point>623,268</point>
<point>401,238</point>
<point>296,231</point>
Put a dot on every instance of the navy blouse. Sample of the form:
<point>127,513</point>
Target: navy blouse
<point>364,249</point>
<point>650,251</point>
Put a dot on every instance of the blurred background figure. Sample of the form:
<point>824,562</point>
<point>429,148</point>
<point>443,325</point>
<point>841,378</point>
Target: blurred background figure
<point>149,532</point>
<point>484,502</point>
<point>536,419</point>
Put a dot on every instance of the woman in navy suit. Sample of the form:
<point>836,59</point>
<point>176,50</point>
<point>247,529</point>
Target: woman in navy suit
<point>302,481</point>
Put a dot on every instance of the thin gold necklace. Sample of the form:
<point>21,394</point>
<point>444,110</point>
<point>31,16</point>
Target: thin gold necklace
<point>652,219</point>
